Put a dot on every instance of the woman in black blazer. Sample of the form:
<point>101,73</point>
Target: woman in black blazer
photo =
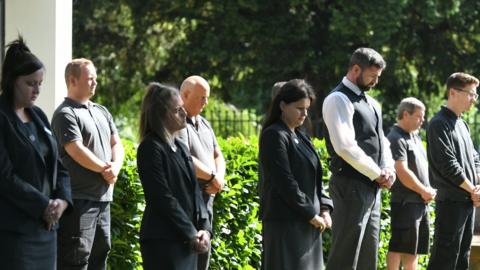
<point>293,208</point>
<point>174,226</point>
<point>34,186</point>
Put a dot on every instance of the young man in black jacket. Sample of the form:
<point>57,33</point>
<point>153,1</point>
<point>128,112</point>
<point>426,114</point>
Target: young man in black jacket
<point>454,167</point>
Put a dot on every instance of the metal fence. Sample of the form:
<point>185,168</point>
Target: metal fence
<point>474,124</point>
<point>247,123</point>
<point>234,123</point>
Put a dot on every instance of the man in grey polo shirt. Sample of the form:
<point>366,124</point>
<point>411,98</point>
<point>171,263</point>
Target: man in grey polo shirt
<point>410,195</point>
<point>200,139</point>
<point>92,152</point>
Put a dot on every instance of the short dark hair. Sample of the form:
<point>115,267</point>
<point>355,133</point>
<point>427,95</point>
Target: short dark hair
<point>19,61</point>
<point>156,104</point>
<point>292,91</point>
<point>367,57</point>
<point>460,80</point>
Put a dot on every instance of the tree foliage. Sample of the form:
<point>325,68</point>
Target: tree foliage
<point>243,47</point>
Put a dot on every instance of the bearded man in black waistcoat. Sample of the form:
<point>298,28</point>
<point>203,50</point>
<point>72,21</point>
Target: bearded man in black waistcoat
<point>361,163</point>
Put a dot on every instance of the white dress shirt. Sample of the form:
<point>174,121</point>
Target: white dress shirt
<point>338,116</point>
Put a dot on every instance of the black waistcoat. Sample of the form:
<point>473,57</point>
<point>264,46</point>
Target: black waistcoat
<point>367,123</point>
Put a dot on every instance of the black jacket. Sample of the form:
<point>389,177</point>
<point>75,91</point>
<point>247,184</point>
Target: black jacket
<point>288,179</point>
<point>451,156</point>
<point>175,209</point>
<point>22,169</point>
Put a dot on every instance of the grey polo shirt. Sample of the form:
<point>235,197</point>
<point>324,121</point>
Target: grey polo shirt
<point>93,125</point>
<point>408,147</point>
<point>200,140</point>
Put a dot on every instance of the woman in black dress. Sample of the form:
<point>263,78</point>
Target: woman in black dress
<point>174,226</point>
<point>34,186</point>
<point>293,208</point>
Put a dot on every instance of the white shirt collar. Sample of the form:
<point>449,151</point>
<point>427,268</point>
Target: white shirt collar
<point>351,86</point>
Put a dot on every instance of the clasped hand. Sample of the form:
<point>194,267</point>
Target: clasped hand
<point>322,221</point>
<point>201,243</point>
<point>429,194</point>
<point>475,196</point>
<point>53,212</point>
<point>386,178</point>
<point>216,185</point>
<point>110,172</point>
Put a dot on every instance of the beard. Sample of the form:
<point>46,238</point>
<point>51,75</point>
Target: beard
<point>361,84</point>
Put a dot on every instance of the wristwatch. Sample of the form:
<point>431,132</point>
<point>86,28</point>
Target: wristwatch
<point>212,176</point>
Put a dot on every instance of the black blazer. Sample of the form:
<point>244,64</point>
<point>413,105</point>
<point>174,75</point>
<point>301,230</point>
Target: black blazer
<point>22,168</point>
<point>174,206</point>
<point>288,178</point>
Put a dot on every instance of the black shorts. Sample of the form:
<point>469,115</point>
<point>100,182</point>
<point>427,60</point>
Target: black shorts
<point>410,228</point>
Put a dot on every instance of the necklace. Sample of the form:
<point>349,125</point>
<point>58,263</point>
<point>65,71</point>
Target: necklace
<point>29,129</point>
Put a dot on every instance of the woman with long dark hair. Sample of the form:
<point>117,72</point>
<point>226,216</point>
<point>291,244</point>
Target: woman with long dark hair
<point>293,208</point>
<point>174,226</point>
<point>34,186</point>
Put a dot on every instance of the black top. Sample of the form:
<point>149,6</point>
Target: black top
<point>290,176</point>
<point>174,205</point>
<point>23,169</point>
<point>408,147</point>
<point>451,156</point>
<point>40,143</point>
<point>93,125</point>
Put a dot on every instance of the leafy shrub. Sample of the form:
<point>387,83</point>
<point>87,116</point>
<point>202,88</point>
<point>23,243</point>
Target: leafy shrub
<point>237,240</point>
<point>127,210</point>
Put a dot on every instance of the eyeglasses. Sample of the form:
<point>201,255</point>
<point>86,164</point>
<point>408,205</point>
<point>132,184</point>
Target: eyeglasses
<point>178,109</point>
<point>470,94</point>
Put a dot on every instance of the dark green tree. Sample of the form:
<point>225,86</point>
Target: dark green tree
<point>243,47</point>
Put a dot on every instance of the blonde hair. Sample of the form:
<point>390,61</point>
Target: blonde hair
<point>74,68</point>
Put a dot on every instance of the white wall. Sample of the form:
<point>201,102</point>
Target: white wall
<point>46,26</point>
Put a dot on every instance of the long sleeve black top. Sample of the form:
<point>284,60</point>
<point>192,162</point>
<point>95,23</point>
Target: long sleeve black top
<point>451,155</point>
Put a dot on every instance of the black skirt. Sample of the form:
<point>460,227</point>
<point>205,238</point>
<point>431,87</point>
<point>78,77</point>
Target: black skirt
<point>291,245</point>
<point>36,251</point>
<point>163,254</point>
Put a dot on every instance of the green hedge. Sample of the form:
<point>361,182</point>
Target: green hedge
<point>237,242</point>
<point>127,210</point>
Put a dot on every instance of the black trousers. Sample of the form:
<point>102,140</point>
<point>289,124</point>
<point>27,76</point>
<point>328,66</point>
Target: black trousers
<point>355,224</point>
<point>84,239</point>
<point>204,258</point>
<point>453,235</point>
